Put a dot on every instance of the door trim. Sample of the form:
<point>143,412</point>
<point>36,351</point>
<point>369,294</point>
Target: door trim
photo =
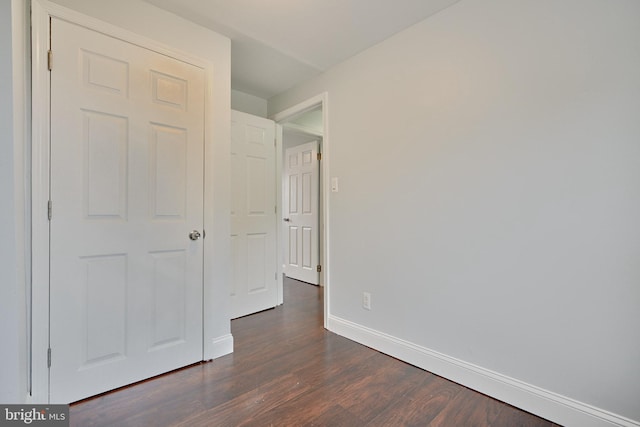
<point>41,12</point>
<point>321,100</point>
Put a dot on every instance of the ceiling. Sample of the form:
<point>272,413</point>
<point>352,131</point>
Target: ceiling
<point>279,43</point>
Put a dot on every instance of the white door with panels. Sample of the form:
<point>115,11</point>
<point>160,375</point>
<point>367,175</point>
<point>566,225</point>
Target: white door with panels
<point>126,279</point>
<point>253,214</point>
<point>301,200</point>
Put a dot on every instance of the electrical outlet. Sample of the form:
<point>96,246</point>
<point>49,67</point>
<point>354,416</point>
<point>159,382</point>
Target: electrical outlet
<point>366,300</point>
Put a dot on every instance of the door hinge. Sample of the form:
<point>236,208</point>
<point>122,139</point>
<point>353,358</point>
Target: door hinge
<point>49,209</point>
<point>275,209</point>
<point>319,156</point>
<point>49,357</point>
<point>275,276</point>
<point>319,268</point>
<point>50,59</point>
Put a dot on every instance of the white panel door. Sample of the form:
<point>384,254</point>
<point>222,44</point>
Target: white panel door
<point>127,128</point>
<point>253,215</point>
<point>301,195</point>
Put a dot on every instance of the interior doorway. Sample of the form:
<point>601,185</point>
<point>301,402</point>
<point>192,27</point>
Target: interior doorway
<point>303,125</point>
<point>301,206</point>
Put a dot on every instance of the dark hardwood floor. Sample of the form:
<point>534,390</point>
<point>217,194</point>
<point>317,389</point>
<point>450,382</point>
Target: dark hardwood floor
<point>288,371</point>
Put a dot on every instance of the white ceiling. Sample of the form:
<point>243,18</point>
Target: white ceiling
<point>279,43</point>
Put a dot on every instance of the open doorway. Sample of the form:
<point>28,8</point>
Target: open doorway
<point>300,180</point>
<point>302,155</point>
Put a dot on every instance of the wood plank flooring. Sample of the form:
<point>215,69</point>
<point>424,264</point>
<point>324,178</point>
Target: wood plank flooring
<point>287,370</point>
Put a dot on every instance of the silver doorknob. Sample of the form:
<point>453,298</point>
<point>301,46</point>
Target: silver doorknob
<point>286,219</point>
<point>194,235</point>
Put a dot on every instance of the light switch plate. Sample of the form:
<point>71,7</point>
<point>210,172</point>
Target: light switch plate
<point>334,184</point>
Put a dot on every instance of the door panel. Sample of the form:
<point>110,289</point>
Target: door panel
<point>127,129</point>
<point>169,150</point>
<point>169,298</point>
<point>104,309</point>
<point>253,217</point>
<point>105,173</point>
<point>301,216</point>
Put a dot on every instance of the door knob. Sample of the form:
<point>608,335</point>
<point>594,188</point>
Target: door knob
<point>194,235</point>
<point>286,219</point>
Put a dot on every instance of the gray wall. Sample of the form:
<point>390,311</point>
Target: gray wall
<point>249,104</point>
<point>14,207</point>
<point>489,165</point>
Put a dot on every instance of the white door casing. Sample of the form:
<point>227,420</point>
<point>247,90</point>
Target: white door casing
<point>126,284</point>
<point>253,214</point>
<point>301,197</point>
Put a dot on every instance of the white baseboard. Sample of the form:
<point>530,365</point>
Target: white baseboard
<point>220,346</point>
<point>543,403</point>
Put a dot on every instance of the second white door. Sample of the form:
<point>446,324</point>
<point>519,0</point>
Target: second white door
<point>253,214</point>
<point>301,197</point>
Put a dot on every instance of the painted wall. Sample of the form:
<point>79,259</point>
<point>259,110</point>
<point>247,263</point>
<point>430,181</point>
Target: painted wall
<point>249,104</point>
<point>311,120</point>
<point>293,139</point>
<point>13,308</point>
<point>489,166</point>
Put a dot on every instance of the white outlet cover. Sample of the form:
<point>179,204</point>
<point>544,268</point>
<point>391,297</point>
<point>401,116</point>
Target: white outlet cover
<point>366,300</point>
<point>334,184</point>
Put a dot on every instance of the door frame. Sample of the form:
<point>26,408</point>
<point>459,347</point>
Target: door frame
<point>320,100</point>
<point>41,12</point>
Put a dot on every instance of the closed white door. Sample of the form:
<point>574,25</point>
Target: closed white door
<point>301,196</point>
<point>126,280</point>
<point>253,214</point>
